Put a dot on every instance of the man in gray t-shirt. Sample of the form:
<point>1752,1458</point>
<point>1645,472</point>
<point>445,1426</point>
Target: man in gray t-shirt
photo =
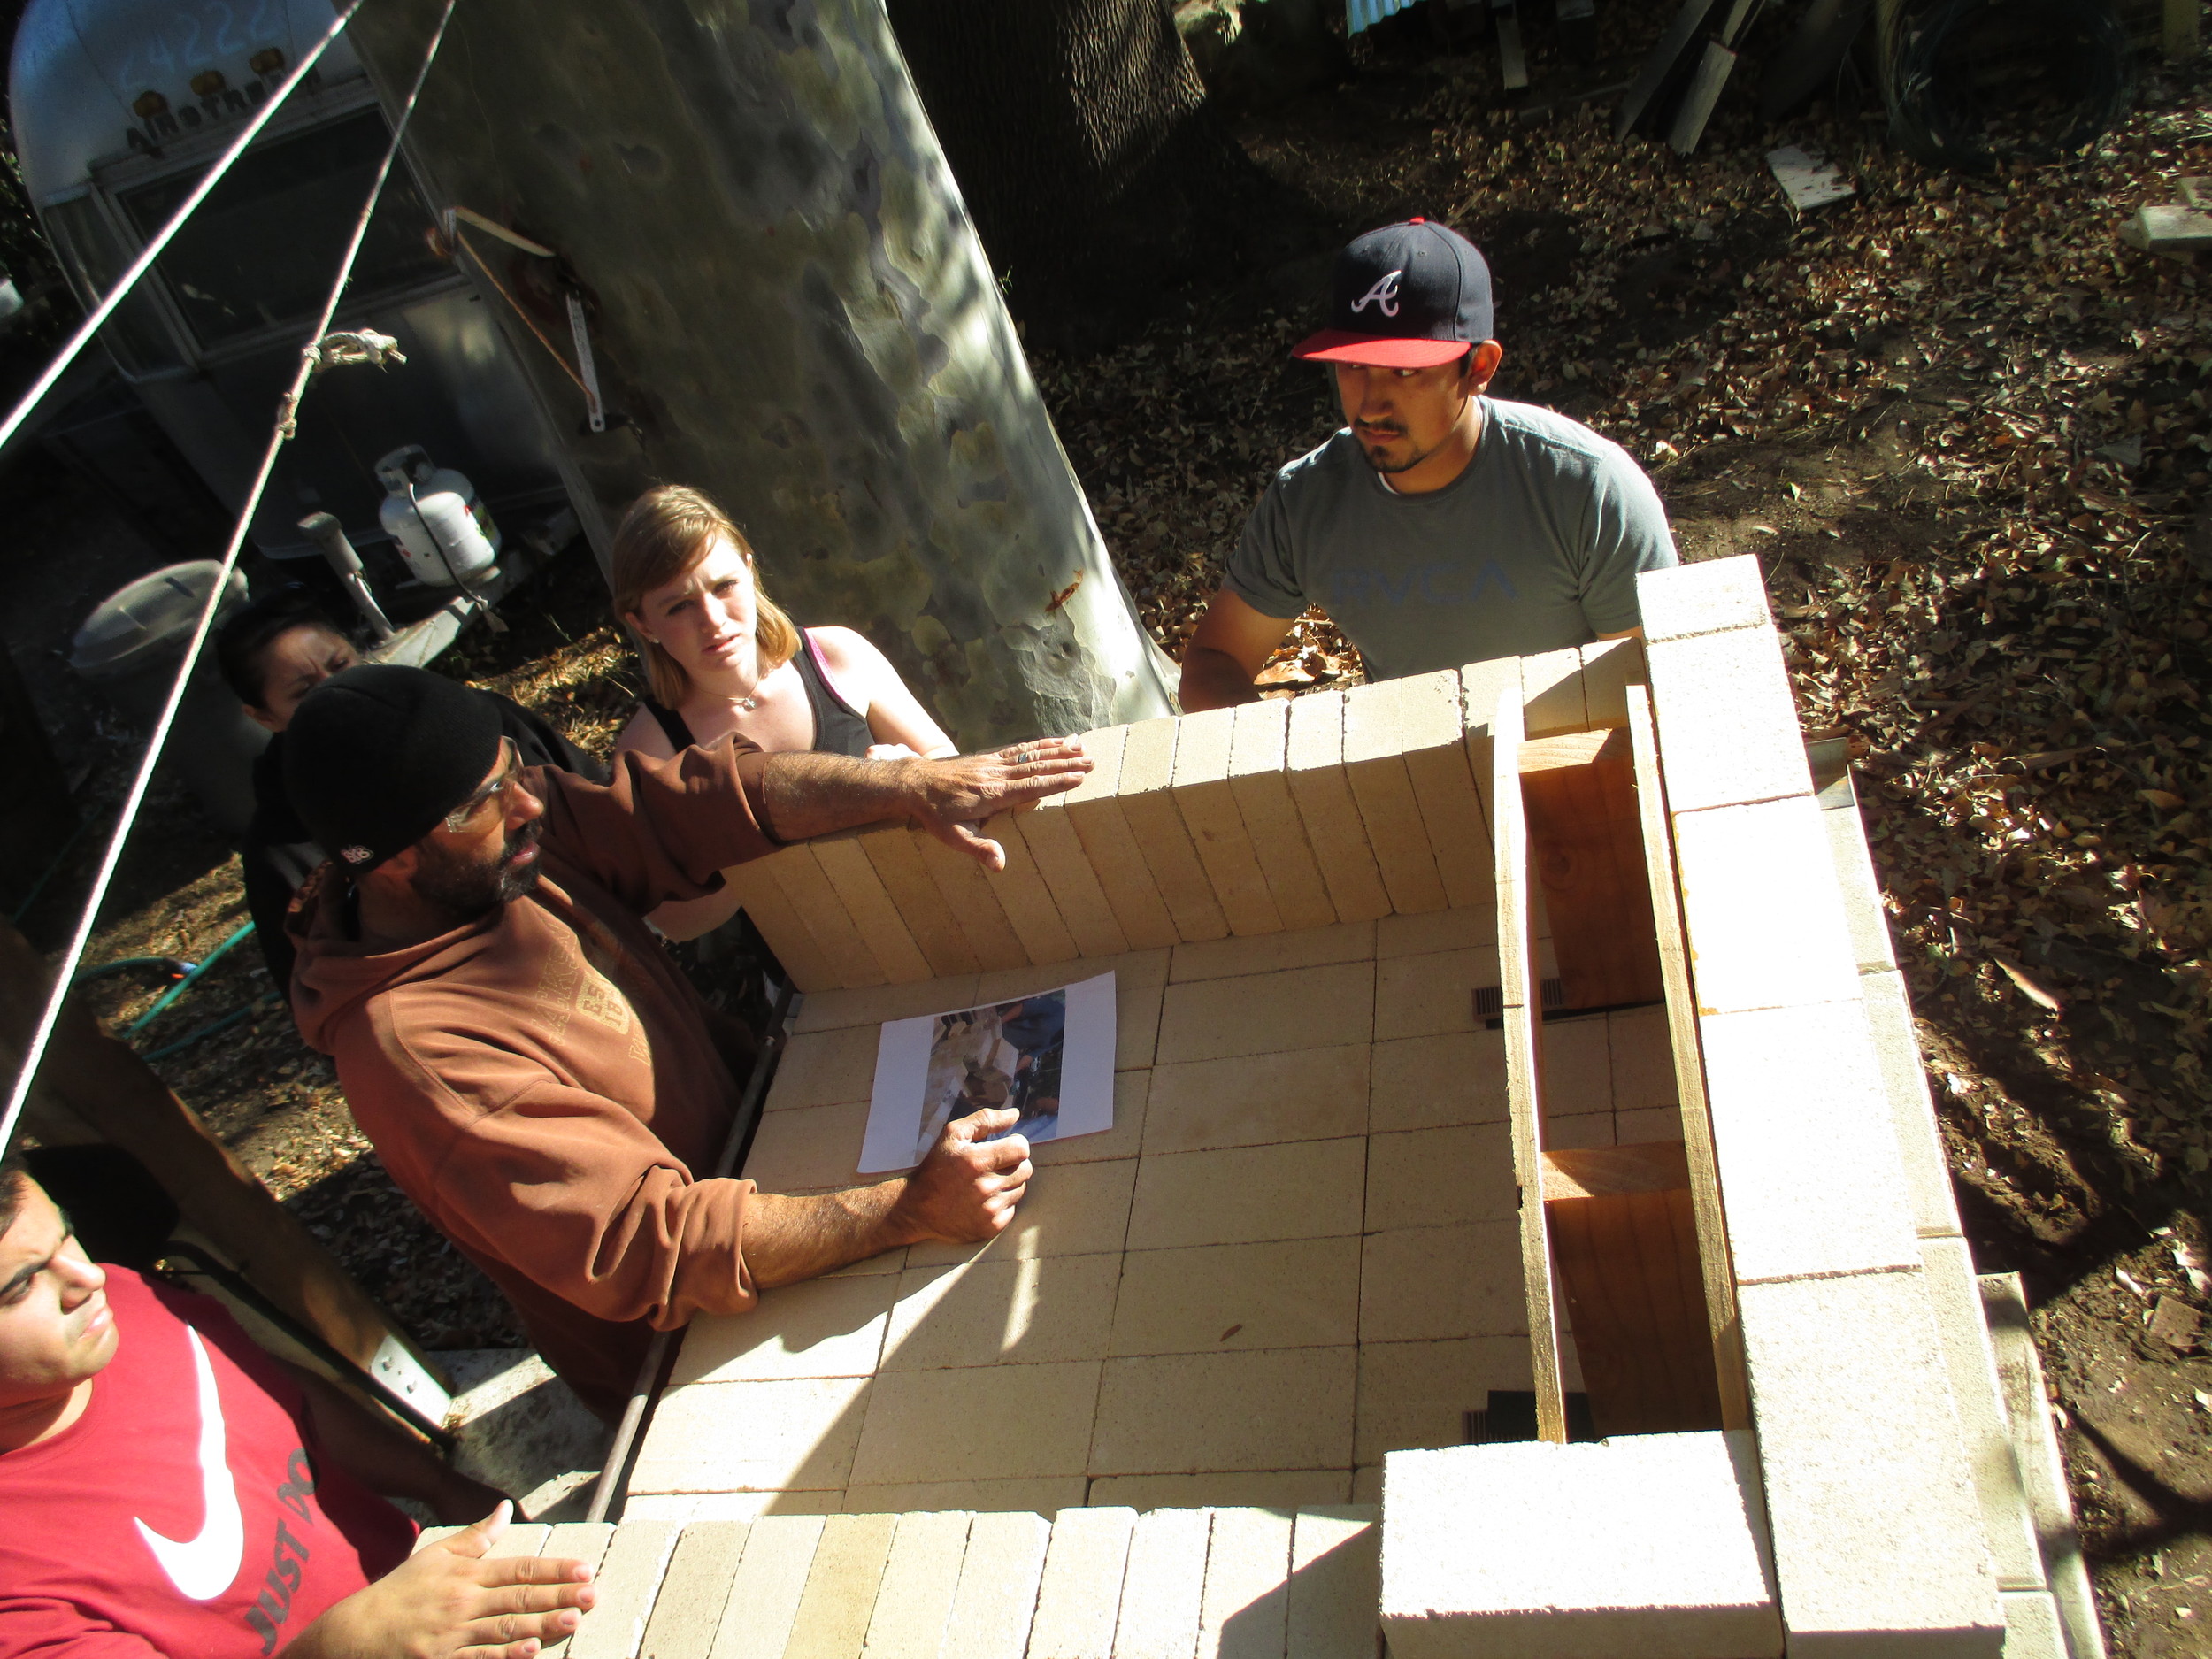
<point>1440,526</point>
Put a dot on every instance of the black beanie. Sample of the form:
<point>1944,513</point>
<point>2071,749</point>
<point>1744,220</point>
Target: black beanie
<point>376,756</point>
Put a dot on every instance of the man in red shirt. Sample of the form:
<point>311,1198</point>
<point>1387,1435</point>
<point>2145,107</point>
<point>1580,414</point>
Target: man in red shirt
<point>169,1489</point>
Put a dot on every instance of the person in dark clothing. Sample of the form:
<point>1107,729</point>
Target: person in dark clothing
<point>721,656</point>
<point>272,653</point>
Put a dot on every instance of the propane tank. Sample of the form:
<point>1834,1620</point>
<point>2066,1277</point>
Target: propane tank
<point>444,531</point>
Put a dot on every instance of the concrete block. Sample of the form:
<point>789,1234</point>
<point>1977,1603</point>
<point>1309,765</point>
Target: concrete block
<point>1728,730</point>
<point>1417,1395</point>
<point>1271,953</point>
<point>1094,809</point>
<point>761,896</point>
<point>1271,1488</point>
<point>1148,773</point>
<point>868,902</point>
<point>1889,1023</point>
<point>915,1599</point>
<point>764,1600</point>
<point>1300,1008</point>
<point>1863,910</point>
<point>1260,783</point>
<point>1079,1599</point>
<point>687,1612</point>
<point>991,1423</point>
<point>1433,730</point>
<point>807,1149</point>
<point>1437,930</point>
<point>1765,925</point>
<point>1421,1284</point>
<point>1065,869</point>
<point>824,1067</point>
<point>864,1009</point>
<point>1259,1100</point>
<point>1649,1544</point>
<point>1244,1612</point>
<point>1878,1546</point>
<point>628,1582</point>
<point>895,854</point>
<point>1208,802</point>
<point>992,1312</point>
<point>1335,1583</point>
<point>1074,1209</point>
<point>1551,693</point>
<point>839,1597</point>
<point>1138,979</point>
<point>1296,1293</point>
<point>1167,1557</point>
<point>2032,1630</point>
<point>1024,894</point>
<point>969,893</point>
<point>1434,1178</point>
<point>1422,997</point>
<point>1374,762</point>
<point>1608,668</point>
<point>796,870</point>
<point>1971,1365</point>
<point>822,1327</point>
<point>1039,1494</point>
<point>1122,1140</point>
<point>1307,1189</point>
<point>1192,1413</point>
<point>1433,1082</point>
<point>1313,763</point>
<point>1707,597</point>
<point>997,1594</point>
<point>1809,1174</point>
<point>793,1435</point>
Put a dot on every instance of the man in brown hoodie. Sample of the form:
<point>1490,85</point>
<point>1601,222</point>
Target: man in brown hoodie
<point>533,1070</point>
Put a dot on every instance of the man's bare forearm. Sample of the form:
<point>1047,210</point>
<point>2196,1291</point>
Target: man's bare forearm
<point>802,795</point>
<point>1214,679</point>
<point>790,1238</point>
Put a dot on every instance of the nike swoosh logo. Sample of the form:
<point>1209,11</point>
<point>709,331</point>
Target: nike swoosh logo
<point>203,1567</point>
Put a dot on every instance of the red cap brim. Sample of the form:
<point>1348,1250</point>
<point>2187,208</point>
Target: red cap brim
<point>1383,351</point>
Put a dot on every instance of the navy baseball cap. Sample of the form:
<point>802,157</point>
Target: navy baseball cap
<point>1406,297</point>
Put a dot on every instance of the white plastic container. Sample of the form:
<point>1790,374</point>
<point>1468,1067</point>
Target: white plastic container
<point>444,530</point>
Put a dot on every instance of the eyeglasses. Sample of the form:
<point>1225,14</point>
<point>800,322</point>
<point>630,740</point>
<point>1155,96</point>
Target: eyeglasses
<point>466,814</point>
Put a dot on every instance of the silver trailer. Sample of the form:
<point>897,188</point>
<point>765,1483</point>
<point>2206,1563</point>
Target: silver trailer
<point>118,108</point>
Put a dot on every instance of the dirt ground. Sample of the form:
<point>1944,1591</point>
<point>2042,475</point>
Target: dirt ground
<point>1965,431</point>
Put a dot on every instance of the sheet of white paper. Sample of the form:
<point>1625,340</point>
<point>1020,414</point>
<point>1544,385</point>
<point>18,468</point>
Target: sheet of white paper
<point>936,1067</point>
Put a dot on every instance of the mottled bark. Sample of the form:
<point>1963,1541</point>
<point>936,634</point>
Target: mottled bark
<point>791,309</point>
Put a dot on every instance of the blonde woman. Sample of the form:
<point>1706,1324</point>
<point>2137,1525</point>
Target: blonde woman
<point>721,656</point>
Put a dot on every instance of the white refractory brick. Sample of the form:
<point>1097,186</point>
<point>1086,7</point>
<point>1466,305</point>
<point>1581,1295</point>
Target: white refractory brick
<point>586,1541</point>
<point>1074,886</point>
<point>1257,774</point>
<point>1167,1567</point>
<point>430,1535</point>
<point>1024,894</point>
<point>1313,764</point>
<point>628,1582</point>
<point>1482,686</point>
<point>1374,760</point>
<point>1335,1583</point>
<point>868,902</point>
<point>1727,722</point>
<point>1863,907</point>
<point>1809,1174</point>
<point>832,1622</point>
<point>1707,597</point>
<point>810,893</point>
<point>687,1612</point>
<point>1433,730</point>
<point>2032,1630</point>
<point>1551,693</point>
<point>1766,923</point>
<point>1094,809</point>
<point>771,1576</point>
<point>1889,1023</point>
<point>1975,1388</point>
<point>1147,806</point>
<point>1245,1612</point>
<point>521,1538</point>
<point>998,1587</point>
<point>895,852</point>
<point>1652,1545</point>
<point>2042,1470</point>
<point>919,1583</point>
<point>1208,802</point>
<point>761,896</point>
<point>1608,668</point>
<point>1878,1547</point>
<point>974,902</point>
<point>1081,1597</point>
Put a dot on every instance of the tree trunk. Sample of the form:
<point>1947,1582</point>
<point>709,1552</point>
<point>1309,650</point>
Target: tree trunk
<point>790,309</point>
<point>1082,136</point>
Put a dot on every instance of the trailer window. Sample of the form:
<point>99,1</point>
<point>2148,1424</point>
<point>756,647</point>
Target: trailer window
<point>262,248</point>
<point>95,256</point>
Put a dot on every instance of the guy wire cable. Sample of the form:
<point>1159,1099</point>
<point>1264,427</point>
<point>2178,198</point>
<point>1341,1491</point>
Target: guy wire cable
<point>34,1049</point>
<point>153,251</point>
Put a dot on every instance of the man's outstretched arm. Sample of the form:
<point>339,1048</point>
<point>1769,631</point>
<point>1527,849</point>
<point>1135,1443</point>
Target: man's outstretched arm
<point>1230,646</point>
<point>802,795</point>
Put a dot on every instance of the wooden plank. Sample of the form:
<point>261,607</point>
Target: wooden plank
<point>1716,1269</point>
<point>1583,829</point>
<point>1605,1172</point>
<point>1628,1265</point>
<point>1524,1057</point>
<point>895,853</point>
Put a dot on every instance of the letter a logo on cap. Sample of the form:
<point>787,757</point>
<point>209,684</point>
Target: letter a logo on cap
<point>1383,295</point>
